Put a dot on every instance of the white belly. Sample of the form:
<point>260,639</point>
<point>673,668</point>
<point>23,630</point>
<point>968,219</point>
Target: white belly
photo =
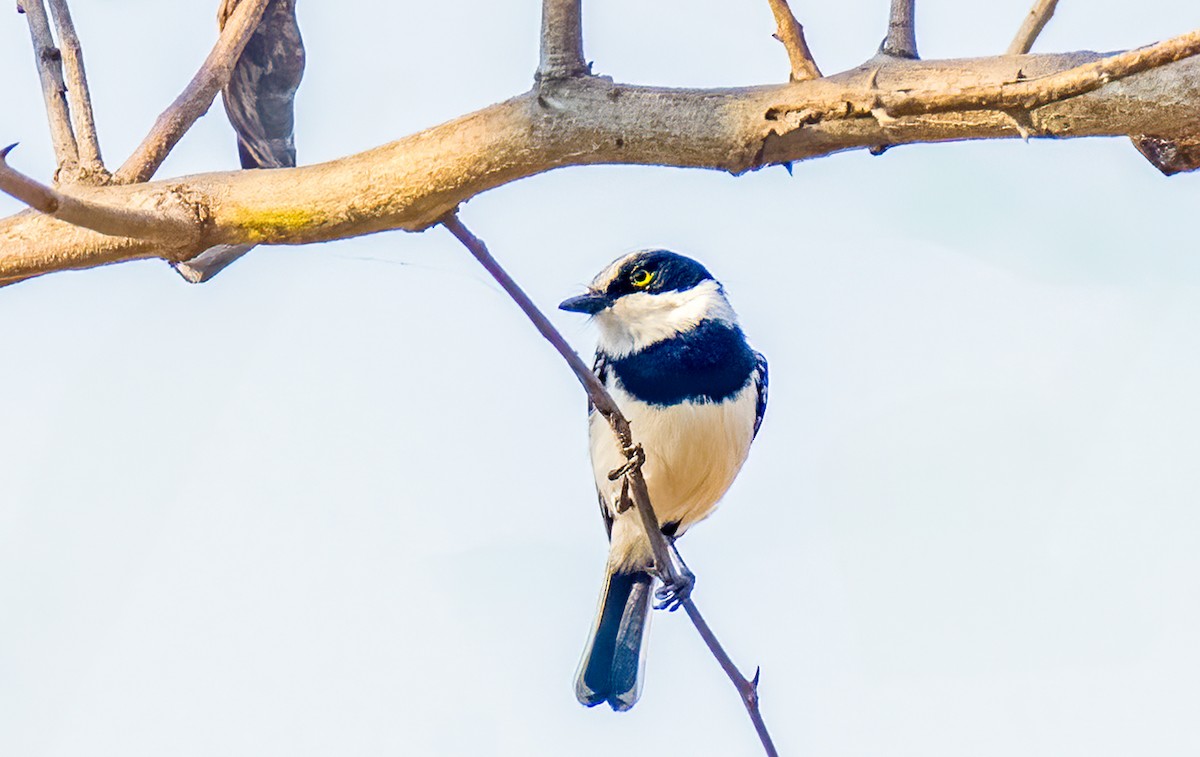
<point>693,453</point>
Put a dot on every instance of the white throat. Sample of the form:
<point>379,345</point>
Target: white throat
<point>638,320</point>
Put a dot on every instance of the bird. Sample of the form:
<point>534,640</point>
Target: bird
<point>673,356</point>
<point>260,103</point>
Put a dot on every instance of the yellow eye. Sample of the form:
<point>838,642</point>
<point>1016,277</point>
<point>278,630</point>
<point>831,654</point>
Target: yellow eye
<point>641,278</point>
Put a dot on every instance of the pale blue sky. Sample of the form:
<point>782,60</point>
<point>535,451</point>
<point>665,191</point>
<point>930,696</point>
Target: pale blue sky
<point>337,501</point>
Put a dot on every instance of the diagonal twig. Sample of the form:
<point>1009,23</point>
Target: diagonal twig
<point>196,98</point>
<point>747,687</point>
<point>901,40</point>
<point>49,65</point>
<point>562,40</point>
<point>601,399</point>
<point>172,223</point>
<point>1030,94</point>
<point>80,95</point>
<point>606,406</point>
<point>1036,20</point>
<point>791,34</point>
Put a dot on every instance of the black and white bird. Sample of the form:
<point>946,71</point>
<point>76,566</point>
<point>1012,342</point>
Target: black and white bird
<point>674,358</point>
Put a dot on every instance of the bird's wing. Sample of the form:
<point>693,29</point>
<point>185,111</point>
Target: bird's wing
<point>259,100</point>
<point>605,514</point>
<point>760,383</point>
<point>260,96</point>
<point>600,368</point>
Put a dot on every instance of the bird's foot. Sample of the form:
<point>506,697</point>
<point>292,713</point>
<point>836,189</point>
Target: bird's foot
<point>675,591</point>
<point>635,458</point>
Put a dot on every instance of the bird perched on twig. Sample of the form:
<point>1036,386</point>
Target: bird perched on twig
<point>674,358</point>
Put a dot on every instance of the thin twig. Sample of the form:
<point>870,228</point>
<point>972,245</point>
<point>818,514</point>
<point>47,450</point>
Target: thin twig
<point>606,406</point>
<point>169,224</point>
<point>196,98</point>
<point>79,93</point>
<point>901,40</point>
<point>562,40</point>
<point>791,34</point>
<point>49,65</point>
<point>601,399</point>
<point>747,688</point>
<point>1030,94</point>
<point>1035,21</point>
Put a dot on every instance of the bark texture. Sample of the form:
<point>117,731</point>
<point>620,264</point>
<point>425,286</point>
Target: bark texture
<point>583,120</point>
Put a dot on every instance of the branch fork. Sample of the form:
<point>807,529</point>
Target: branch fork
<point>169,223</point>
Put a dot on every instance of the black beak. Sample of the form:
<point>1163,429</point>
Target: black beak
<point>590,303</point>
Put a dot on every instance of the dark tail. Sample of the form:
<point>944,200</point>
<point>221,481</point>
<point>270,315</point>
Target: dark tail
<point>612,660</point>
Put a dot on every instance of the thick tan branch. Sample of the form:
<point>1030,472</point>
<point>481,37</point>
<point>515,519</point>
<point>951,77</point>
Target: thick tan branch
<point>91,165</point>
<point>412,183</point>
<point>791,34</point>
<point>1031,93</point>
<point>54,88</point>
<point>196,98</point>
<point>1035,21</point>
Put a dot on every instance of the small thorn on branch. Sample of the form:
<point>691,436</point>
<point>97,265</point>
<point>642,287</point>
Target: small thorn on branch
<point>1022,122</point>
<point>747,689</point>
<point>1035,21</point>
<point>791,34</point>
<point>18,185</point>
<point>901,40</point>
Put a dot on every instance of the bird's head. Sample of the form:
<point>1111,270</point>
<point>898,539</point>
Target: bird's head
<point>648,296</point>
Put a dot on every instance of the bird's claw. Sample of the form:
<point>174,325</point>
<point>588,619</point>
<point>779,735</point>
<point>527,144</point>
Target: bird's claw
<point>672,595</point>
<point>635,457</point>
